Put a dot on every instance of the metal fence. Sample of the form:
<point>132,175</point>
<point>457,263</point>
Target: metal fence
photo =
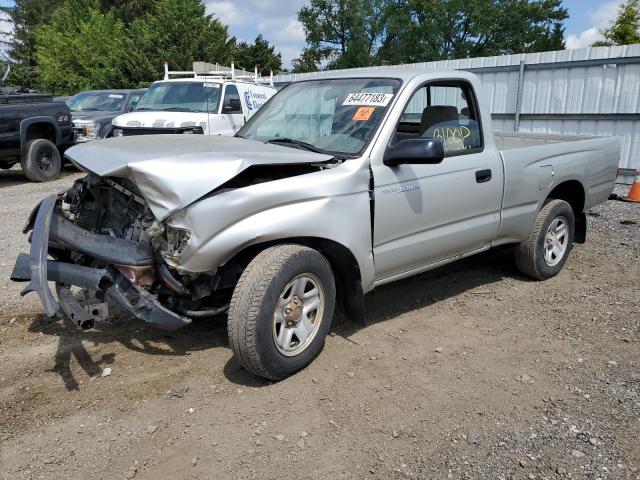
<point>590,91</point>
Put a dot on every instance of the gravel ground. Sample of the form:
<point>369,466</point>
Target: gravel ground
<point>470,371</point>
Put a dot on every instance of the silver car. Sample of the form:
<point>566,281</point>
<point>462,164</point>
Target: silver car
<point>337,185</point>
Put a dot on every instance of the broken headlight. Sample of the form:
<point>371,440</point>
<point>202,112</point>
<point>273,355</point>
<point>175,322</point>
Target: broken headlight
<point>177,241</point>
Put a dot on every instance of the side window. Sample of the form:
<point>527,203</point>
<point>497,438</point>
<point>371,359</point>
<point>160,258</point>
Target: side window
<point>133,101</point>
<point>447,112</point>
<point>230,92</point>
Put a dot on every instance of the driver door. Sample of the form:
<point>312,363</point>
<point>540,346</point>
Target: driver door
<point>231,111</point>
<point>429,213</point>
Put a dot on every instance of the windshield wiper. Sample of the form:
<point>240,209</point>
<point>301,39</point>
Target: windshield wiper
<point>179,109</point>
<point>299,143</point>
<point>140,109</point>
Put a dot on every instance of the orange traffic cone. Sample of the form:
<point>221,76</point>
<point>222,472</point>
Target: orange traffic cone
<point>634,191</point>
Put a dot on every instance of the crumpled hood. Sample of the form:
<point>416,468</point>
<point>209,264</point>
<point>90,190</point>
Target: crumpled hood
<point>160,119</point>
<point>173,171</point>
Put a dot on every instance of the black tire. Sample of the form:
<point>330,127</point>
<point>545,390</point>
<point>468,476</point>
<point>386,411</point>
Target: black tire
<point>41,161</point>
<point>530,254</point>
<point>251,312</point>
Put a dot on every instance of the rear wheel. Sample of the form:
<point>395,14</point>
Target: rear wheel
<point>281,311</point>
<point>41,161</point>
<point>543,254</point>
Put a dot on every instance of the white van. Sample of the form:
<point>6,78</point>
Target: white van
<point>214,102</point>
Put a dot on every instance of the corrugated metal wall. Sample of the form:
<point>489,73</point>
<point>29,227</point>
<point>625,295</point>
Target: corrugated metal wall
<point>591,91</point>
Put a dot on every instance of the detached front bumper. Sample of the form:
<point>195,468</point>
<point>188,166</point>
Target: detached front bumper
<point>38,270</point>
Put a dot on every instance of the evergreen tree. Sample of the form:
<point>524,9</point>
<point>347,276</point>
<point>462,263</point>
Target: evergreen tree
<point>20,43</point>
<point>180,32</point>
<point>259,53</point>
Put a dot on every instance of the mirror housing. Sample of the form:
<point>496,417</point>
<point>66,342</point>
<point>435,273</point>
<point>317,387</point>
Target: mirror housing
<point>414,151</point>
<point>232,106</point>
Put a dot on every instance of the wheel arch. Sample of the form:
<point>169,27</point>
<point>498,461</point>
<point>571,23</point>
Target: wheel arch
<point>347,274</point>
<point>46,127</point>
<point>573,192</point>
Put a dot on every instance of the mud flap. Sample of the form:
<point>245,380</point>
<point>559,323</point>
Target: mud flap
<point>38,257</point>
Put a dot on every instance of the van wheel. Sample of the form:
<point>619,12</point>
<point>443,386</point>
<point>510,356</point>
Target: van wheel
<point>543,254</point>
<point>41,161</point>
<point>281,311</point>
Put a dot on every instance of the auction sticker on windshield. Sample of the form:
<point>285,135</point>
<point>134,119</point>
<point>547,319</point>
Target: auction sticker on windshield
<point>363,114</point>
<point>368,99</point>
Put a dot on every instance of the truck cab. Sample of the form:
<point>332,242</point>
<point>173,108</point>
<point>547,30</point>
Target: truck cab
<point>214,103</point>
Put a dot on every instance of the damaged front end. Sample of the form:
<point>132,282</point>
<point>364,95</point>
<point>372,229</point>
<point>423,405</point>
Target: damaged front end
<point>99,241</point>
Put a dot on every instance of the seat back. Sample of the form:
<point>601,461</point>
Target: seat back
<point>437,114</point>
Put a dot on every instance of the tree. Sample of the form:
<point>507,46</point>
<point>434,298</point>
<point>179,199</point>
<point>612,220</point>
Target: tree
<point>425,30</point>
<point>343,32</point>
<point>354,33</point>
<point>127,10</point>
<point>84,49</point>
<point>259,53</point>
<point>20,42</point>
<point>180,32</point>
<point>308,61</point>
<point>625,29</point>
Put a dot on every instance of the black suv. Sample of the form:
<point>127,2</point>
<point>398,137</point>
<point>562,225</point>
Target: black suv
<point>34,130</point>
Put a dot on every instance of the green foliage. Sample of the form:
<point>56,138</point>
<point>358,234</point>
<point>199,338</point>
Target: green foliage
<point>259,53</point>
<point>69,45</point>
<point>82,49</point>
<point>180,32</point>
<point>625,29</point>
<point>343,32</point>
<point>25,16</point>
<point>308,61</point>
<point>354,33</point>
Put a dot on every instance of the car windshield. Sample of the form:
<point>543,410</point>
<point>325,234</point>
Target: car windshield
<point>97,101</point>
<point>336,116</point>
<point>181,97</point>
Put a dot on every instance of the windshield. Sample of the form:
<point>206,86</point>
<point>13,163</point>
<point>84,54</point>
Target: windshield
<point>97,101</point>
<point>336,116</point>
<point>181,97</point>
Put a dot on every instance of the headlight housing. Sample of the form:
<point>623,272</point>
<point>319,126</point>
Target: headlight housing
<point>87,130</point>
<point>177,240</point>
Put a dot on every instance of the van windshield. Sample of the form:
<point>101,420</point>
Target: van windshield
<point>333,116</point>
<point>181,97</point>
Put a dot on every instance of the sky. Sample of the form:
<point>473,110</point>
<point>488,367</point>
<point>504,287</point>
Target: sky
<point>277,21</point>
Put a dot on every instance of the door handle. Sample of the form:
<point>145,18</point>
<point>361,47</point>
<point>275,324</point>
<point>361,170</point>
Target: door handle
<point>483,176</point>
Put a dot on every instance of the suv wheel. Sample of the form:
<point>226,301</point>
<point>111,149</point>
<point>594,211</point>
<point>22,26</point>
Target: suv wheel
<point>543,254</point>
<point>281,311</point>
<point>41,161</point>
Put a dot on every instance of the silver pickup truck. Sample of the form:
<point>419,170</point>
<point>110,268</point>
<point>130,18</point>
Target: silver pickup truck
<point>337,185</point>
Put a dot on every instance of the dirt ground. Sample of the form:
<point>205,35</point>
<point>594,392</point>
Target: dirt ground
<point>467,372</point>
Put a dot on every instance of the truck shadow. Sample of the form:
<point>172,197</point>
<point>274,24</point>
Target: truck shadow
<point>386,303</point>
<point>133,335</point>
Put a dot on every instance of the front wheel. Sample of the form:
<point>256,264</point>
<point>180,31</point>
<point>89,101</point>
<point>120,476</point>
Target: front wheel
<point>281,310</point>
<point>543,254</point>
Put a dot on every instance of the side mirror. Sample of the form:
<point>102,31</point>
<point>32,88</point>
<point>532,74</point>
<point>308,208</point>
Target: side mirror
<point>232,106</point>
<point>414,151</point>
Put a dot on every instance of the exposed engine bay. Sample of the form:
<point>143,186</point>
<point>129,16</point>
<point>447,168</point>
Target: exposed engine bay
<point>107,244</point>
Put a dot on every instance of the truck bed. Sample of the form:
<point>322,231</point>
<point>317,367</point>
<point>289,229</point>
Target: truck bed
<point>534,164</point>
<point>513,140</point>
